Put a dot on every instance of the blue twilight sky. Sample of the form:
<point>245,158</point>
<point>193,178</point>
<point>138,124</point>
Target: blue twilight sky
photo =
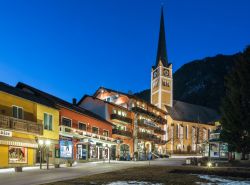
<point>70,48</point>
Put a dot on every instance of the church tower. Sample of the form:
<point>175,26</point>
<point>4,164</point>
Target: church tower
<point>161,74</point>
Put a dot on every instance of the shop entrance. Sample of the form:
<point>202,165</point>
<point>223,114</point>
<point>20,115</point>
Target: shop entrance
<point>124,152</point>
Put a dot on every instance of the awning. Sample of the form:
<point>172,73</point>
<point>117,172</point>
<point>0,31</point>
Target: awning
<point>16,141</point>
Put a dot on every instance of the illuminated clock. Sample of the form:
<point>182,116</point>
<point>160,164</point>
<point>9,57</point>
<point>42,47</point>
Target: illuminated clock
<point>155,74</point>
<point>166,72</point>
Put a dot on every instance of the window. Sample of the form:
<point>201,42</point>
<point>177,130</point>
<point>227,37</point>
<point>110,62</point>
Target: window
<point>17,112</point>
<point>177,131</point>
<point>95,130</point>
<point>66,122</point>
<point>105,133</point>
<point>187,132</point>
<point>47,118</point>
<point>82,126</point>
<point>114,111</point>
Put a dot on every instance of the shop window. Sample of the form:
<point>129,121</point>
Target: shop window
<point>119,112</point>
<point>17,112</point>
<point>17,154</point>
<point>66,122</point>
<point>114,111</point>
<point>95,130</point>
<point>82,126</point>
<point>47,119</point>
<point>106,133</point>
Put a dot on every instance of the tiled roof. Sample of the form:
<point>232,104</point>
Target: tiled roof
<point>23,94</point>
<point>130,96</point>
<point>61,102</point>
<point>192,113</point>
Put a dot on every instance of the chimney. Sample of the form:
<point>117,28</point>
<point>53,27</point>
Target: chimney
<point>74,101</point>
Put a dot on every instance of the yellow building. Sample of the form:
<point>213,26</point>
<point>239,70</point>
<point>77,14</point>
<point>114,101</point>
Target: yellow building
<point>24,120</point>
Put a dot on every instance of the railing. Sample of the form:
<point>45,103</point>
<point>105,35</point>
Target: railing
<point>151,137</point>
<point>156,118</point>
<point>121,118</point>
<point>83,134</point>
<point>146,124</point>
<point>8,122</point>
<point>159,131</point>
<point>122,132</point>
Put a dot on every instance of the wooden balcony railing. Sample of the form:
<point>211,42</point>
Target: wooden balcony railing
<point>155,117</point>
<point>151,137</point>
<point>122,132</point>
<point>8,122</point>
<point>121,118</point>
<point>146,124</point>
<point>159,131</point>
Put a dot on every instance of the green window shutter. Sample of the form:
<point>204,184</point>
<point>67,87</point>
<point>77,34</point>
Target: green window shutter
<point>20,113</point>
<point>14,112</point>
<point>50,122</point>
<point>45,118</point>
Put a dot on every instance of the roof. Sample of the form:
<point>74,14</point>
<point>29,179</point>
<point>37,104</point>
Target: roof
<point>128,95</point>
<point>192,113</point>
<point>162,48</point>
<point>94,98</point>
<point>61,102</point>
<point>23,94</point>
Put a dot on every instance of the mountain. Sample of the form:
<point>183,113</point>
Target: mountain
<point>201,82</point>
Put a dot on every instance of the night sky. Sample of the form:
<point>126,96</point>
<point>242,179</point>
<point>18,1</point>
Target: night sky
<point>70,48</point>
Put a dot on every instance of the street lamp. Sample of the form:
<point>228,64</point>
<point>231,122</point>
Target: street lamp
<point>40,142</point>
<point>47,143</point>
<point>44,144</point>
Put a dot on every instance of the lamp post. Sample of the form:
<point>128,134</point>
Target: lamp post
<point>41,152</point>
<point>43,145</point>
<point>47,143</point>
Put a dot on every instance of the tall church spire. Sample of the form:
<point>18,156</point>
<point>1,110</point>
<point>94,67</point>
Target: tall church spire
<point>162,49</point>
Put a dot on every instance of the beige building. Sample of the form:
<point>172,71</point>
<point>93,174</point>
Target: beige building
<point>163,125</point>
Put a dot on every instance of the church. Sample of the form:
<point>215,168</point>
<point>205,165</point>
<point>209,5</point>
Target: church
<point>161,126</point>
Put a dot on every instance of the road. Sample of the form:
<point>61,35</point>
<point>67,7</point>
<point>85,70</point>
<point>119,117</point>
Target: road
<point>35,176</point>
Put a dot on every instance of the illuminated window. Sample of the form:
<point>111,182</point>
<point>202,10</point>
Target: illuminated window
<point>106,133</point>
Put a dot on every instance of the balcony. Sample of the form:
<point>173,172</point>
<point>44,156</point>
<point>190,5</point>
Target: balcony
<point>122,132</point>
<point>81,134</point>
<point>120,118</point>
<point>152,115</point>
<point>151,137</point>
<point>8,122</point>
<point>146,124</point>
<point>146,136</point>
<point>159,131</point>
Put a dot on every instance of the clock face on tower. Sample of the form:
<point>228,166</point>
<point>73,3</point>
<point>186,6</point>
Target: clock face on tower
<point>155,74</point>
<point>166,72</point>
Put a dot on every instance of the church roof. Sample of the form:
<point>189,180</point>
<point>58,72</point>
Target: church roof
<point>162,48</point>
<point>183,111</point>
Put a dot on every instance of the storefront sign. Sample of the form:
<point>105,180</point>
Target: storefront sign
<point>17,154</point>
<point>5,133</point>
<point>66,149</point>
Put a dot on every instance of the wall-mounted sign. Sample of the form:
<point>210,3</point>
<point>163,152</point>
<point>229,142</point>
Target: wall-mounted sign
<point>5,133</point>
<point>66,149</point>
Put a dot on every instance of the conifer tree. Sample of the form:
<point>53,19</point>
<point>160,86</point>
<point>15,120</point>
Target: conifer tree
<point>235,109</point>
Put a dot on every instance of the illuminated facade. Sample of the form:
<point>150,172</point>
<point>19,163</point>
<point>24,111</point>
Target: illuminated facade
<point>22,125</point>
<point>82,134</point>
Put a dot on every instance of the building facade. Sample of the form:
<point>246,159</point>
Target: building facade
<point>22,125</point>
<point>83,135</point>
